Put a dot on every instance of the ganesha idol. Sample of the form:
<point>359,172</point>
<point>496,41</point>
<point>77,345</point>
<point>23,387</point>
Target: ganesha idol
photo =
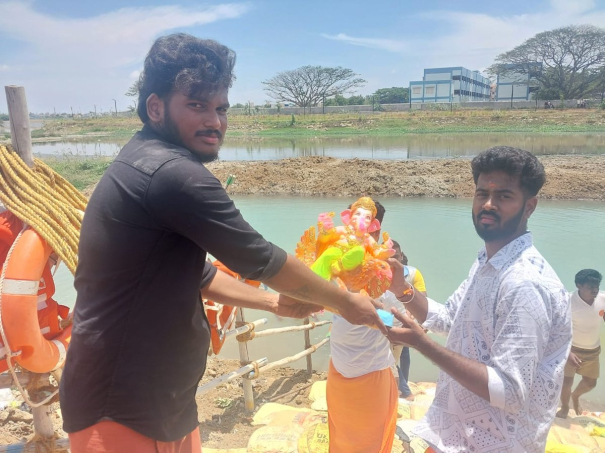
<point>348,254</point>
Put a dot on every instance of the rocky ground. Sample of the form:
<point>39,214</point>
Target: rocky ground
<point>568,177</point>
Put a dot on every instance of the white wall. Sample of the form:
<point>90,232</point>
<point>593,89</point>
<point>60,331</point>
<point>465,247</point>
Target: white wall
<point>439,76</point>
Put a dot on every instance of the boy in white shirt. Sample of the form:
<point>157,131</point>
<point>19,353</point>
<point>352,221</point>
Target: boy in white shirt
<point>587,315</point>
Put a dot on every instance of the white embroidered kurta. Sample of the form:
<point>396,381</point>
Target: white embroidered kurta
<point>511,314</point>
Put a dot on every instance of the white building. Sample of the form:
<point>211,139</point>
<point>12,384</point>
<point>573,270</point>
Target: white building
<point>514,82</point>
<point>456,84</point>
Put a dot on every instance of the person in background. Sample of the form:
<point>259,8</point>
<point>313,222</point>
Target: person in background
<point>508,325</point>
<point>361,389</point>
<point>587,316</point>
<point>402,353</point>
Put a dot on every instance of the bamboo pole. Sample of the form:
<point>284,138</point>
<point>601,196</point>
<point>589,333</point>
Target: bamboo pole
<point>267,332</point>
<point>6,380</point>
<point>243,329</point>
<point>22,144</point>
<point>229,377</point>
<point>19,122</point>
<point>245,360</point>
<point>293,358</point>
<point>307,346</point>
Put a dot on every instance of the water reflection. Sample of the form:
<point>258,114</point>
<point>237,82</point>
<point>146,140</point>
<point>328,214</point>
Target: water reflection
<point>412,146</point>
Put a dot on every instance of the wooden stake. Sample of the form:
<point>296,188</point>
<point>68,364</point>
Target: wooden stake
<point>22,144</point>
<point>307,346</point>
<point>19,122</point>
<point>267,332</point>
<point>300,355</point>
<point>230,376</point>
<point>245,360</point>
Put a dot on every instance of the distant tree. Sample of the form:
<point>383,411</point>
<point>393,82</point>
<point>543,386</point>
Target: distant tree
<point>572,59</point>
<point>394,95</point>
<point>309,85</point>
<point>239,105</point>
<point>3,116</point>
<point>133,91</point>
<point>356,100</point>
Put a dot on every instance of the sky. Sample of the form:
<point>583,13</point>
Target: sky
<point>74,54</point>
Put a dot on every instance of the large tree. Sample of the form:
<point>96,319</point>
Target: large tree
<point>571,57</point>
<point>307,86</point>
<point>394,95</point>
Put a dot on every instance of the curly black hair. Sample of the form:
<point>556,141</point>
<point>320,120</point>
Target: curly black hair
<point>515,162</point>
<point>195,67</point>
<point>588,276</point>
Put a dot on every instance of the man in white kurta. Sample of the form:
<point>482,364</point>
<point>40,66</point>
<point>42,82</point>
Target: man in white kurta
<point>508,325</point>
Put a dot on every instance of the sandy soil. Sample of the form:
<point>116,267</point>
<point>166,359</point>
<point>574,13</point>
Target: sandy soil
<point>568,177</point>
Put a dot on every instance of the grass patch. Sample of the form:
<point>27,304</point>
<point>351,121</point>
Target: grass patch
<point>81,172</point>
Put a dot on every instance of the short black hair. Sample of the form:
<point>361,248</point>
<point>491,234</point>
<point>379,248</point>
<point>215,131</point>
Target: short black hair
<point>588,276</point>
<point>515,162</point>
<point>380,210</point>
<point>195,67</point>
<point>404,258</point>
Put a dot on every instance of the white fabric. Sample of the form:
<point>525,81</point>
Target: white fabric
<point>358,350</point>
<point>511,314</point>
<point>586,321</point>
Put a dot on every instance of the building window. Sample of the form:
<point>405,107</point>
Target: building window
<point>416,91</point>
<point>430,91</point>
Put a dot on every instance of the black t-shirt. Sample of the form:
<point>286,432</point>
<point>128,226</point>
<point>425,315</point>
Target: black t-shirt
<point>140,336</point>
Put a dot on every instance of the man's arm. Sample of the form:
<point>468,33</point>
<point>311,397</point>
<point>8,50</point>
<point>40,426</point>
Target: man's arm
<point>227,290</point>
<point>520,336</point>
<point>296,280</point>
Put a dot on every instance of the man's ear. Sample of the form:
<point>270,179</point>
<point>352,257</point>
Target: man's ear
<point>530,207</point>
<point>155,108</point>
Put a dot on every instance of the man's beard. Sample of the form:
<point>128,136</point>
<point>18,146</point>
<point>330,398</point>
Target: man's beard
<point>503,231</point>
<point>170,132</point>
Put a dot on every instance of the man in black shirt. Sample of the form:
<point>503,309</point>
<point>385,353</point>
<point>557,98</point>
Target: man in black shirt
<point>140,335</point>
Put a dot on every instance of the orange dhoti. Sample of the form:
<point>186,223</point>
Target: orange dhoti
<point>362,411</point>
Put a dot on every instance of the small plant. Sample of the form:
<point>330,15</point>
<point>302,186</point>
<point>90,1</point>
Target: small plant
<point>223,403</point>
<point>292,121</point>
<point>603,105</point>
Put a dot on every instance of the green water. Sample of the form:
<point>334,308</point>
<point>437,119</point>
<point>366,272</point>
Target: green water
<point>437,236</point>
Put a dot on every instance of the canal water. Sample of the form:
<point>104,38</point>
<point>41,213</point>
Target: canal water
<point>437,236</point>
<point>410,146</point>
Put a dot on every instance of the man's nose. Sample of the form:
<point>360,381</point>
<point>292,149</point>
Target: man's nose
<point>489,204</point>
<point>211,120</point>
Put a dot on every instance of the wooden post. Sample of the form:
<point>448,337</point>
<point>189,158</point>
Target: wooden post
<point>22,144</point>
<point>245,360</point>
<point>307,346</point>
<point>19,123</point>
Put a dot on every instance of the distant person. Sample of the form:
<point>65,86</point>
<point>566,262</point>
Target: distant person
<point>508,325</point>
<point>402,353</point>
<point>587,316</point>
<point>140,338</point>
<point>361,388</point>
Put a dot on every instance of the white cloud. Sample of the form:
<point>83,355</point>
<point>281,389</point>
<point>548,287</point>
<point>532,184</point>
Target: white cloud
<point>135,74</point>
<point>474,40</point>
<point>385,44</point>
<point>4,67</point>
<point>93,56</point>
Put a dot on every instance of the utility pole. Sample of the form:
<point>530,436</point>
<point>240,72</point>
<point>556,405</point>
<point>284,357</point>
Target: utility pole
<point>95,110</point>
<point>116,106</point>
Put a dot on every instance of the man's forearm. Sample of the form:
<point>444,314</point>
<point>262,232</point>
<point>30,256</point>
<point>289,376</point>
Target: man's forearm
<point>226,290</point>
<point>469,373</point>
<point>297,281</point>
<point>417,306</point>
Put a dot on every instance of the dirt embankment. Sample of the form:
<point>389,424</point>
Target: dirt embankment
<point>568,177</point>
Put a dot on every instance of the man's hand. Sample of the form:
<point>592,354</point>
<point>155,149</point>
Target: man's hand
<point>361,310</point>
<point>294,308</point>
<point>410,334</point>
<point>574,360</point>
<point>398,284</point>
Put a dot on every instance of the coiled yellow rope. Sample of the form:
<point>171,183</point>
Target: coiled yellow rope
<point>43,199</point>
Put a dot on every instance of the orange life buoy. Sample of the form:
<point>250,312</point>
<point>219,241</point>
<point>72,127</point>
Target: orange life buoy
<point>25,269</point>
<point>221,317</point>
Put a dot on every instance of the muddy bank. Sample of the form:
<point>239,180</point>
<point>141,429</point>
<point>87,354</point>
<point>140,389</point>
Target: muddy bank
<point>568,177</point>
